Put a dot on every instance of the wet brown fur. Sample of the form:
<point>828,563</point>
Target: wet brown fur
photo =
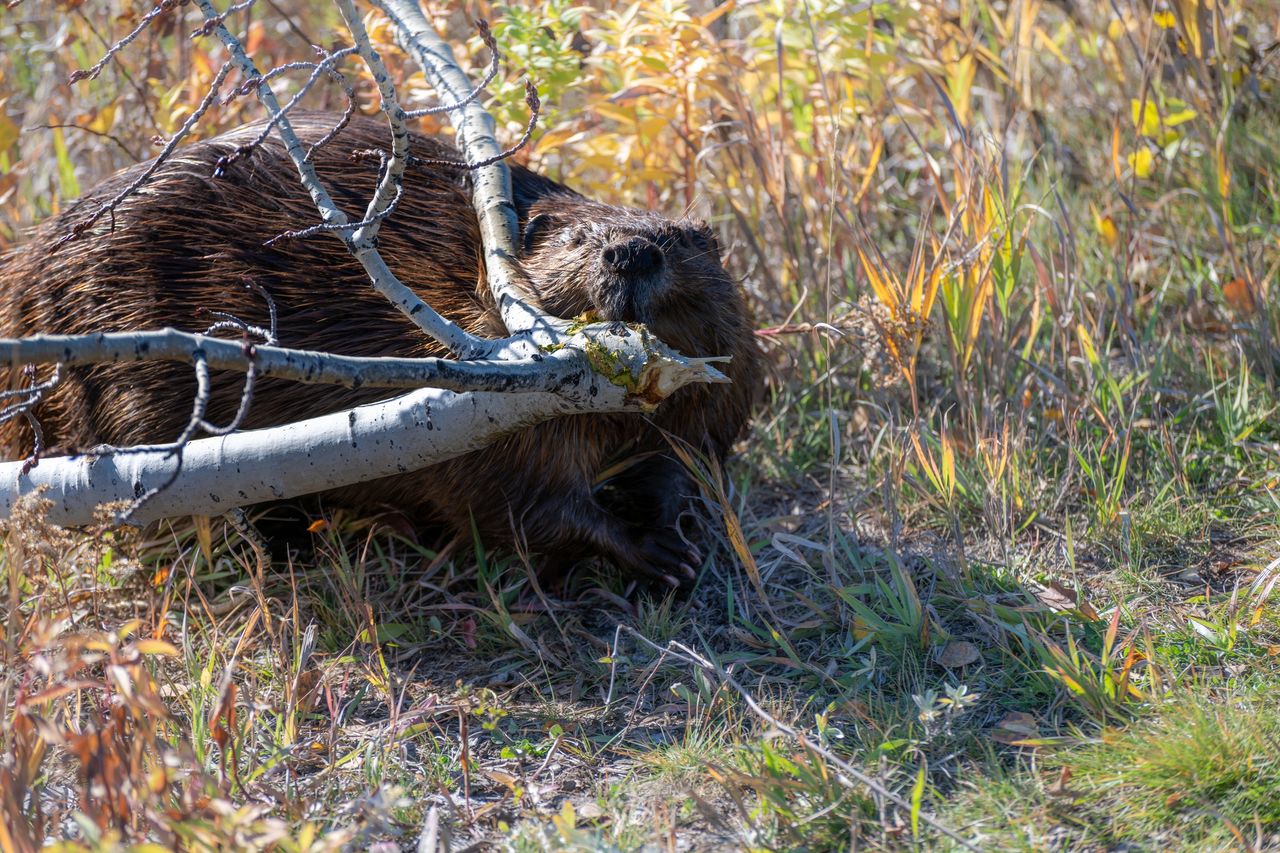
<point>187,241</point>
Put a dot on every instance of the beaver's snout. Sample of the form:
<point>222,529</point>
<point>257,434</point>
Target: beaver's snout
<point>635,257</point>
<point>636,279</point>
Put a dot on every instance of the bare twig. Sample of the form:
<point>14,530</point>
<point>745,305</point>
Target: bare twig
<point>37,444</point>
<point>368,221</point>
<point>32,396</point>
<point>109,207</point>
<point>125,148</point>
<point>93,72</point>
<point>319,69</point>
<point>457,340</point>
<point>342,122</point>
<point>210,23</point>
<point>495,58</point>
<point>252,83</point>
<point>121,68</point>
<point>176,449</point>
<point>534,103</point>
<point>683,653</point>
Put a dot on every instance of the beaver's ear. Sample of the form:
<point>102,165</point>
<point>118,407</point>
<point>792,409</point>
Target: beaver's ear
<point>535,230</point>
<point>704,237</point>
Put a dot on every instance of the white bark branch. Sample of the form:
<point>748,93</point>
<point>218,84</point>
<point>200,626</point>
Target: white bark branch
<point>392,184</point>
<point>492,196</point>
<point>566,370</point>
<point>629,371</point>
<point>220,474</point>
<point>455,338</point>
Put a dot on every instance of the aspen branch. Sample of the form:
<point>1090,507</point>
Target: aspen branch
<point>445,331</point>
<point>560,371</point>
<point>385,197</point>
<point>328,452</point>
<point>499,225</point>
<point>629,371</point>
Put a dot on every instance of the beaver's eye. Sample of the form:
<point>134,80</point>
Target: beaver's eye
<point>571,238</point>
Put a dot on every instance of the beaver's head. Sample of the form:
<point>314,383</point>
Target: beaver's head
<point>632,266</point>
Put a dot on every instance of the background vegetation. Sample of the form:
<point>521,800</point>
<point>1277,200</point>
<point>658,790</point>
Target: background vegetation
<point>1003,539</point>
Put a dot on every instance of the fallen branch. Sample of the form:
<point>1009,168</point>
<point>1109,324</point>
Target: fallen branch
<point>604,371</point>
<point>499,226</point>
<point>560,371</point>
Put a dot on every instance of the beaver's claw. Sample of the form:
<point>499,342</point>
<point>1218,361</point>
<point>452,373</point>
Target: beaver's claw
<point>665,557</point>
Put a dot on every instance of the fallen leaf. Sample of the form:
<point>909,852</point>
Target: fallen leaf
<point>1020,721</point>
<point>1239,296</point>
<point>959,653</point>
<point>1059,787</point>
<point>1057,596</point>
<point>1015,727</point>
<point>504,779</point>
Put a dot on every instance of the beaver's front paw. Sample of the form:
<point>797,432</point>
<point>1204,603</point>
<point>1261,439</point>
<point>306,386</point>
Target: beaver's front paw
<point>663,556</point>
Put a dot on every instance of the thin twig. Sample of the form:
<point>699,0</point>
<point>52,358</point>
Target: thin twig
<point>125,148</point>
<point>320,69</point>
<point>92,72</point>
<point>210,24</point>
<point>350,226</point>
<point>687,655</point>
<point>109,207</point>
<point>495,57</point>
<point>534,103</point>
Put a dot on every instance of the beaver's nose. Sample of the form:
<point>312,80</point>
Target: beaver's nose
<point>634,257</point>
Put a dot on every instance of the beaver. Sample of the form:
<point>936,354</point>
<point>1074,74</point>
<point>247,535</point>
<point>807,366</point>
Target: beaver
<point>576,486</point>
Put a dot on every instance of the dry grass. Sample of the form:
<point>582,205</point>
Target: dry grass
<point>1001,541</point>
